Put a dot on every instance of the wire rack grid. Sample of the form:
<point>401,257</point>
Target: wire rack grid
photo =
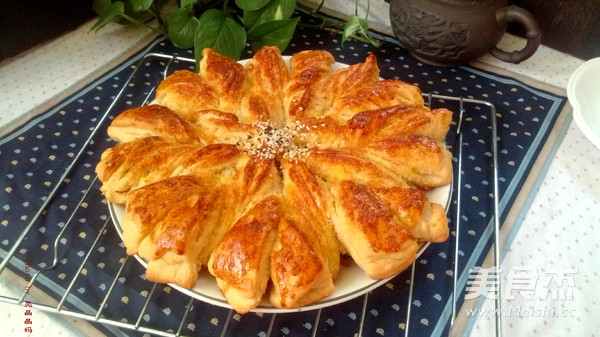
<point>97,314</point>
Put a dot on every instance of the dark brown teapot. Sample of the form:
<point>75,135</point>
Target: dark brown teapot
<point>454,32</point>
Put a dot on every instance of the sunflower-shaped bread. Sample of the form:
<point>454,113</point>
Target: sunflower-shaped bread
<point>268,173</point>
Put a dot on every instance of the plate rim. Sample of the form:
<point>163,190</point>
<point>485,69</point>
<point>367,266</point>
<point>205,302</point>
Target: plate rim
<point>578,116</point>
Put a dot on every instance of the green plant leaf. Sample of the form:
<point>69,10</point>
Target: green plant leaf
<point>185,3</point>
<point>115,10</point>
<point>358,29</point>
<point>273,33</point>
<point>220,33</point>
<point>182,28</point>
<point>353,26</point>
<point>251,5</point>
<point>140,5</point>
<point>275,10</point>
<point>100,6</point>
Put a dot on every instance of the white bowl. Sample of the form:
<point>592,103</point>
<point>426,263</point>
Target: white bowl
<point>583,92</point>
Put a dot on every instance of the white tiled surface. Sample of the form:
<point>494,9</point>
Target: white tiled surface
<point>560,232</point>
<point>560,229</point>
<point>34,77</point>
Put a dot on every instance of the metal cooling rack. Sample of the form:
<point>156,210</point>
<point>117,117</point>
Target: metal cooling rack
<point>464,105</point>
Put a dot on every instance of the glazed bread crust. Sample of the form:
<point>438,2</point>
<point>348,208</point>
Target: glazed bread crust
<point>269,172</point>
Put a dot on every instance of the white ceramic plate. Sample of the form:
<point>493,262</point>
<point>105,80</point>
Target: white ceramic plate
<point>583,91</point>
<point>351,282</point>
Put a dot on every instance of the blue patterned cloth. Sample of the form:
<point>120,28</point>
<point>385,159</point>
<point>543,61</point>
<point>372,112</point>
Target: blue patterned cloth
<point>35,156</point>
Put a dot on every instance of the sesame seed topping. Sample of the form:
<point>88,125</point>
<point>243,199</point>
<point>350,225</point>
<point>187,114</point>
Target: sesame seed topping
<point>269,142</point>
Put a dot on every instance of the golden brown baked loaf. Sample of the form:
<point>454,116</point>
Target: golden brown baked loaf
<point>266,173</point>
